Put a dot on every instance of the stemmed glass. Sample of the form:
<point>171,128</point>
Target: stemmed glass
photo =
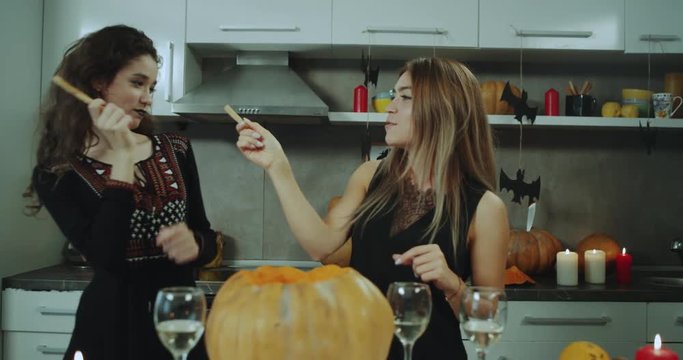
<point>483,312</point>
<point>412,306</point>
<point>179,315</point>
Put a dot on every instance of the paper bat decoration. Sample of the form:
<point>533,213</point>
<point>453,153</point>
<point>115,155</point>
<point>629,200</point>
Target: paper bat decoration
<point>519,188</point>
<point>519,104</point>
<point>365,144</point>
<point>648,136</point>
<point>371,75</point>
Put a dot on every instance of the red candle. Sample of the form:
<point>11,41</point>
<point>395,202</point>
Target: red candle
<point>624,262</point>
<point>655,351</point>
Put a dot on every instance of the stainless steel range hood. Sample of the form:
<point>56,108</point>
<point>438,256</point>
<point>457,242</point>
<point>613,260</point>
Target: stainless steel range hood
<point>260,86</point>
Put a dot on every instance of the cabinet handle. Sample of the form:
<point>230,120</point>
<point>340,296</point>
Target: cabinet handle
<point>256,28</point>
<point>600,321</point>
<point>169,72</point>
<point>553,33</point>
<point>44,310</point>
<point>657,37</point>
<point>47,350</point>
<point>403,30</point>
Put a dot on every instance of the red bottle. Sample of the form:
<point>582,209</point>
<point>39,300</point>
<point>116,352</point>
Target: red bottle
<point>552,102</point>
<point>360,99</point>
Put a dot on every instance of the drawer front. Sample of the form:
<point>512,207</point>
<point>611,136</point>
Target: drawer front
<point>665,319</point>
<point>34,346</point>
<point>569,321</point>
<point>41,311</point>
<point>524,350</point>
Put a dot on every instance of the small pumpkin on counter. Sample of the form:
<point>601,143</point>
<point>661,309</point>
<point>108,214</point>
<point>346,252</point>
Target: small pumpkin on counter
<point>285,313</point>
<point>599,241</point>
<point>583,350</point>
<point>532,251</point>
<point>491,92</point>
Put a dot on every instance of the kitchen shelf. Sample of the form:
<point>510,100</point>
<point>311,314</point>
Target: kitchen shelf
<point>377,119</point>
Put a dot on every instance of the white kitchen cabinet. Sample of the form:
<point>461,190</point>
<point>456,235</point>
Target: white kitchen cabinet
<point>259,24</point>
<point>542,24</point>
<point>37,324</point>
<point>541,329</point>
<point>665,319</point>
<point>434,23</point>
<point>162,20</point>
<point>654,26</point>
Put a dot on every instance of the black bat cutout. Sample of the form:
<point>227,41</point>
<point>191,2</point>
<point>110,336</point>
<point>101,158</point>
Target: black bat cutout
<point>519,188</point>
<point>365,145</point>
<point>519,104</point>
<point>371,74</point>
<point>648,136</point>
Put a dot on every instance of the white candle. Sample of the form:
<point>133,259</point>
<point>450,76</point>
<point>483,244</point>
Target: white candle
<point>594,266</point>
<point>567,268</point>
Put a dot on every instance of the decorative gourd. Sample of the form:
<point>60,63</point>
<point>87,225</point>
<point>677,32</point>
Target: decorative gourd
<point>534,251</point>
<point>583,350</point>
<point>285,313</point>
<point>599,241</point>
<point>491,92</point>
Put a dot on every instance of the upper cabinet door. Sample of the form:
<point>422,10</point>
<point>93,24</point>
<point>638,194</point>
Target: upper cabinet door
<point>435,23</point>
<point>654,26</point>
<point>543,24</point>
<point>162,20</point>
<point>259,22</point>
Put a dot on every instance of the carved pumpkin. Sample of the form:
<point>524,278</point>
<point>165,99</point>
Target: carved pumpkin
<point>599,241</point>
<point>534,251</point>
<point>285,313</point>
<point>491,92</point>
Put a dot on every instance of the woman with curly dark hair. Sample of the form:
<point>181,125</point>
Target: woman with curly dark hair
<point>128,199</point>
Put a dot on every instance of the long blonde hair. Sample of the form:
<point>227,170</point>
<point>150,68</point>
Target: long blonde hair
<point>451,141</point>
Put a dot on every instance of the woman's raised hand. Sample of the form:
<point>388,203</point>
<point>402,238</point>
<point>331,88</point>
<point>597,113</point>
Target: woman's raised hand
<point>259,146</point>
<point>429,265</point>
<point>111,124</point>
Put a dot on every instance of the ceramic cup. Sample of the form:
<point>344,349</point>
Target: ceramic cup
<point>580,105</point>
<point>663,103</point>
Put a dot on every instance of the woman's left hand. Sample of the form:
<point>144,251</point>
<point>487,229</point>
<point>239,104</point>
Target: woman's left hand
<point>429,264</point>
<point>178,243</point>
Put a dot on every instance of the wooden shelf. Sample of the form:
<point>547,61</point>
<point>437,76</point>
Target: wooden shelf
<point>377,119</point>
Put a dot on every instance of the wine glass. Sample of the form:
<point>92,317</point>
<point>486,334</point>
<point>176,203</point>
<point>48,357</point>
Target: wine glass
<point>412,306</point>
<point>179,315</point>
<point>483,312</point>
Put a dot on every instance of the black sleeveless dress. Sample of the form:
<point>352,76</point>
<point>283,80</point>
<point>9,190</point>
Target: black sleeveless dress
<point>371,256</point>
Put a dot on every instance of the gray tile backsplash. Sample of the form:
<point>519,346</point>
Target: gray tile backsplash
<point>592,179</point>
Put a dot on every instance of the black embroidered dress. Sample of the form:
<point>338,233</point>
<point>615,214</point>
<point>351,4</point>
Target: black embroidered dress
<point>114,224</point>
<point>391,234</point>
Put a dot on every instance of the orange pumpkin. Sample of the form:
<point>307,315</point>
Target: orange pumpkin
<point>534,251</point>
<point>584,350</point>
<point>491,92</point>
<point>285,313</point>
<point>599,241</point>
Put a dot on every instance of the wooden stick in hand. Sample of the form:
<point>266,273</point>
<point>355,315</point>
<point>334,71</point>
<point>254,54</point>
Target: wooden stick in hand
<point>80,95</point>
<point>233,114</point>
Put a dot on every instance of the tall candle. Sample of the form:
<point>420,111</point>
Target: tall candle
<point>624,262</point>
<point>655,351</point>
<point>594,266</point>
<point>567,268</point>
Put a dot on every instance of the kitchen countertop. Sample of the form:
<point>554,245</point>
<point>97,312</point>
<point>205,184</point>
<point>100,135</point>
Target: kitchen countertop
<point>65,278</point>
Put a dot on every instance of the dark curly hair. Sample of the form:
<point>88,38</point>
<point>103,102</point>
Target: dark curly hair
<point>65,121</point>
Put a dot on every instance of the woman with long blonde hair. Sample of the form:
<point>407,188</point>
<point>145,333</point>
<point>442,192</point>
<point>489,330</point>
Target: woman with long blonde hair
<point>427,212</point>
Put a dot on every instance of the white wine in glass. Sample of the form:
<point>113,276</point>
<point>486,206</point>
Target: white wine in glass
<point>412,306</point>
<point>483,313</point>
<point>179,316</point>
